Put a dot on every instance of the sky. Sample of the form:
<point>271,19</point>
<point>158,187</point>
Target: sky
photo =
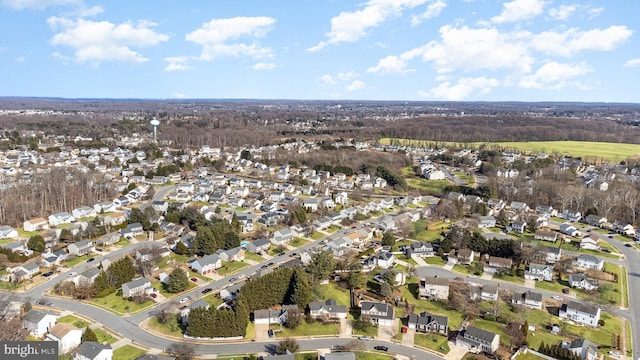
<point>408,50</point>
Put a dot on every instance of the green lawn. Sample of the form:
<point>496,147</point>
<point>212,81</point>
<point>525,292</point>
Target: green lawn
<point>75,260</point>
<point>372,356</point>
<point>122,243</point>
<point>614,152</point>
<point>298,241</point>
<point>116,304</point>
<point>331,291</point>
<point>552,285</point>
<point>467,269</point>
<point>306,356</point>
<point>213,300</point>
<point>464,177</point>
<point>430,186</point>
<point>163,291</point>
<point>127,352</point>
<point>409,292</point>
<point>253,257</point>
<point>370,331</point>
<point>518,279</point>
<point>77,322</point>
<point>173,258</point>
<point>171,327</point>
<point>104,337</point>
<point>435,260</point>
<point>228,268</point>
<point>333,228</point>
<point>611,293</point>
<point>316,235</point>
<point>494,327</point>
<point>435,342</point>
<point>313,328</point>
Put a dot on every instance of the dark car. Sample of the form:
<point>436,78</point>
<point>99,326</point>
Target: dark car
<point>154,295</point>
<point>270,264</point>
<point>565,290</point>
<point>381,348</point>
<point>628,245</point>
<point>270,333</point>
<point>194,279</point>
<point>47,274</point>
<point>90,259</point>
<point>233,279</point>
<point>207,290</point>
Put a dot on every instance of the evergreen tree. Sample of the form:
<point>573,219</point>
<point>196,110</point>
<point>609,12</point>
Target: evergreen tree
<point>300,288</point>
<point>181,248</point>
<point>121,271</point>
<point>321,266</point>
<point>385,290</point>
<point>231,240</point>
<point>235,224</point>
<point>178,281</point>
<point>101,282</point>
<point>205,243</point>
<point>388,239</point>
<point>88,335</point>
<point>36,243</point>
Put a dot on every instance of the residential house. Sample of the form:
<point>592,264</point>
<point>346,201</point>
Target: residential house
<point>419,250</point>
<point>279,316</point>
<point>83,212</point>
<point>36,224</point>
<point>341,246</point>
<point>67,336</point>
<point>26,271</point>
<point>546,235</point>
<point>86,277</point>
<point>486,222</point>
<point>160,206</point>
<point>132,230</point>
<point>528,298</point>
<point>433,288</point>
<point>282,237</point>
<point>384,260</point>
<point>591,242</point>
<point>81,248</point>
<point>622,227</point>
<point>206,264</point>
<point>39,322</point>
<point>488,292</point>
<point>231,255</point>
<point>580,312</point>
<point>539,272</point>
<point>583,348</point>
<point>105,207</point>
<point>571,215</point>
<point>586,261</point>
<point>92,350</point>
<point>478,340</point>
<point>114,218</point>
<point>425,322</point>
<point>595,220</point>
<point>259,246</point>
<point>379,313</point>
<point>519,206</point>
<point>135,287</point>
<point>7,232</point>
<point>552,254</point>
<point>462,256</point>
<point>496,264</point>
<point>580,281</point>
<point>569,230</point>
<point>328,309</point>
<point>184,312</point>
<point>517,226</point>
<point>546,211</point>
<point>60,219</point>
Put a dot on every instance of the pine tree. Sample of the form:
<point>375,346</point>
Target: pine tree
<point>181,248</point>
<point>301,290</point>
<point>89,335</point>
<point>178,281</point>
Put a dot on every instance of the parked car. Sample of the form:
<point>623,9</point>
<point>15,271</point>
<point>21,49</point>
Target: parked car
<point>233,279</point>
<point>194,279</point>
<point>47,274</point>
<point>557,297</point>
<point>241,276</point>
<point>364,337</point>
<point>73,273</point>
<point>184,300</point>
<point>90,259</point>
<point>207,290</point>
<point>153,295</point>
<point>628,245</point>
<point>381,348</point>
<point>270,333</point>
<point>565,290</point>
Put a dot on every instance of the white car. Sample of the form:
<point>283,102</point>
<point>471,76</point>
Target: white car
<point>73,273</point>
<point>183,300</point>
<point>556,297</point>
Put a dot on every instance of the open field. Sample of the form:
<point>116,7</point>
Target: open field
<point>609,151</point>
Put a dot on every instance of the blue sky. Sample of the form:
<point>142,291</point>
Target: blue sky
<point>476,50</point>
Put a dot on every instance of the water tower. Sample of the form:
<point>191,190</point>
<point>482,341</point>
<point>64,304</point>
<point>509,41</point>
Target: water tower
<point>155,124</point>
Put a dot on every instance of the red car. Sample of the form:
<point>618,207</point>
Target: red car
<point>154,295</point>
<point>194,279</point>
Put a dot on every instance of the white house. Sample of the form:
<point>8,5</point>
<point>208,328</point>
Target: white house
<point>478,340</point>
<point>80,248</point>
<point>92,350</point>
<point>67,336</point>
<point>581,312</point>
<point>591,242</point>
<point>580,281</point>
<point>528,298</point>
<point>380,313</point>
<point>539,272</point>
<point>83,212</point>
<point>61,218</point>
<point>7,232</point>
<point>206,264</point>
<point>39,322</point>
<point>35,224</point>
<point>587,261</point>
<point>135,287</point>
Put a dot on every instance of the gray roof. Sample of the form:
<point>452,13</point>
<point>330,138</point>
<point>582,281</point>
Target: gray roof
<point>582,307</point>
<point>198,303</point>
<point>35,316</point>
<point>477,333</point>
<point>589,258</point>
<point>330,305</point>
<point>386,309</point>
<point>90,272</point>
<point>136,282</point>
<point>91,349</point>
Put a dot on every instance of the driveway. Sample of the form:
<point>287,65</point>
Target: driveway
<point>530,283</point>
<point>261,332</point>
<point>407,338</point>
<point>345,328</point>
<point>385,333</point>
<point>456,352</point>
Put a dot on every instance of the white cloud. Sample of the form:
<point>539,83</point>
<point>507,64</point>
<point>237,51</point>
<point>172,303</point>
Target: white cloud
<point>632,63</point>
<point>352,26</point>
<point>518,10</point>
<point>573,40</point>
<point>554,75</point>
<point>38,4</point>
<point>396,64</point>
<point>563,12</point>
<point>177,63</point>
<point>433,10</point>
<point>356,85</point>
<point>20,59</point>
<point>98,41</point>
<point>216,35</point>
<point>179,95</point>
<point>264,66</point>
<point>346,76</point>
<point>593,12</point>
<point>328,79</point>
<point>474,49</point>
<point>462,89</point>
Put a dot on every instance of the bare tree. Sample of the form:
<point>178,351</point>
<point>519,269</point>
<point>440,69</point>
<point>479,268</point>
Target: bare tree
<point>182,350</point>
<point>12,330</point>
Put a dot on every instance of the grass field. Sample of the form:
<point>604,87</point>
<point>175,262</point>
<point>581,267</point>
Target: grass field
<point>104,337</point>
<point>313,328</point>
<point>435,342</point>
<point>70,319</point>
<point>231,267</point>
<point>614,152</point>
<point>115,303</point>
<point>430,186</point>
<point>127,352</point>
